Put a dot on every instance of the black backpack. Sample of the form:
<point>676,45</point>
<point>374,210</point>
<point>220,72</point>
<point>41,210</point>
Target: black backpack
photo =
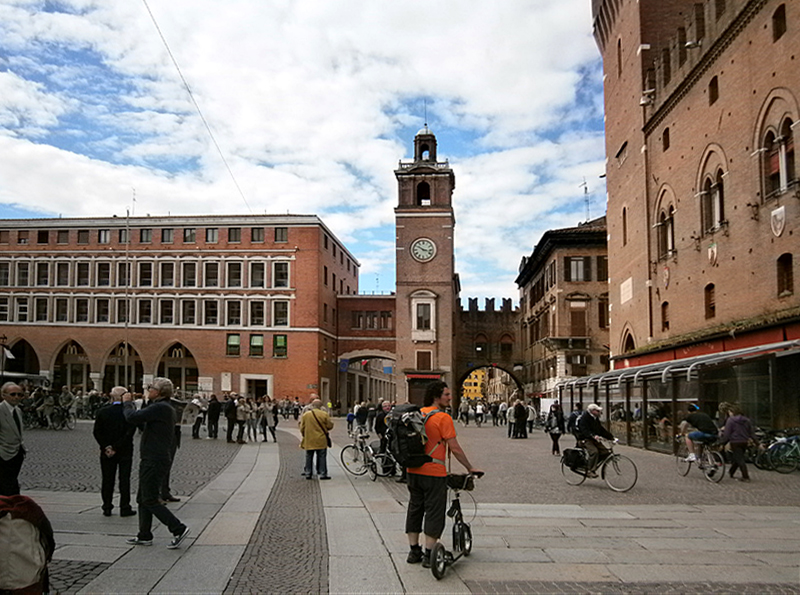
<point>407,437</point>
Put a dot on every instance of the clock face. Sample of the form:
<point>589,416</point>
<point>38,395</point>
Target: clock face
<point>423,250</point>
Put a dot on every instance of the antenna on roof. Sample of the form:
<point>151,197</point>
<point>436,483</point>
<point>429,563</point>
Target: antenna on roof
<point>425,110</point>
<point>585,187</point>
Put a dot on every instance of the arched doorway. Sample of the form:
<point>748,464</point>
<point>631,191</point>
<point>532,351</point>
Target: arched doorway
<point>72,368</point>
<point>366,378</point>
<point>23,359</point>
<point>178,364</point>
<point>116,374</point>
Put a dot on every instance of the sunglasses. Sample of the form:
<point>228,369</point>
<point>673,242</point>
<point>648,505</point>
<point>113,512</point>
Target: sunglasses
<point>16,394</point>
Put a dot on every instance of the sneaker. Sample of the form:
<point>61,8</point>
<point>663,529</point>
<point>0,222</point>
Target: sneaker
<point>325,477</point>
<point>415,556</point>
<point>426,560</point>
<point>137,541</point>
<point>591,474</point>
<point>691,458</point>
<point>178,539</point>
<point>128,512</point>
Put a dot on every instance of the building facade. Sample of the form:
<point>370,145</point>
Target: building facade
<point>216,303</point>
<point>564,308</point>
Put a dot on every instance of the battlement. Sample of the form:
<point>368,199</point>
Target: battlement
<point>488,305</point>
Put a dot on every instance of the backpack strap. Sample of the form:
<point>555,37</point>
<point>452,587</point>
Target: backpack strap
<point>435,446</point>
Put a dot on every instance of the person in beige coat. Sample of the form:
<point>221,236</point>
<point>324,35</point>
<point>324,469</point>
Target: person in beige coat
<point>314,427</point>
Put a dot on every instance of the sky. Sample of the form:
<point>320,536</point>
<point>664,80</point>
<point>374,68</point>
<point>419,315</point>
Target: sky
<point>306,107</point>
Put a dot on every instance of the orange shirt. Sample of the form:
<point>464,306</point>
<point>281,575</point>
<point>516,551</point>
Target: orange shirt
<point>438,428</point>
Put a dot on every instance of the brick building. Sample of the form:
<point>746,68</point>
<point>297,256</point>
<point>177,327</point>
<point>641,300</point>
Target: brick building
<point>216,303</point>
<point>564,307</point>
<point>702,103</point>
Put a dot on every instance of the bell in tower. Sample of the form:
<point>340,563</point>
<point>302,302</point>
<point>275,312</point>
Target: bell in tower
<point>425,145</point>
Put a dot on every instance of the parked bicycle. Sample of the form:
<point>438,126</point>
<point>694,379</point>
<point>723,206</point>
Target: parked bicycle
<point>441,558</point>
<point>784,454</point>
<point>358,456</point>
<point>618,471</point>
<point>709,460</point>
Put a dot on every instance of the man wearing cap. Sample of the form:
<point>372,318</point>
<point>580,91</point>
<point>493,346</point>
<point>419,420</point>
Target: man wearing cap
<point>114,435</point>
<point>590,430</point>
<point>12,451</point>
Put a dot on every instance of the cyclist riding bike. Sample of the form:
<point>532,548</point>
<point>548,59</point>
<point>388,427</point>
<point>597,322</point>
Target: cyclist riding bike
<point>589,431</point>
<point>705,430</point>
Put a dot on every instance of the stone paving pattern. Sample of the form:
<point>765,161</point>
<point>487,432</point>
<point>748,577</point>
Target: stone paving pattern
<point>68,576</point>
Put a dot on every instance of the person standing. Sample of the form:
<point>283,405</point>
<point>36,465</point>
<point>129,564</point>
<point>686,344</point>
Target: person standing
<point>520,419</point>
<point>212,416</point>
<point>230,415</point>
<point>555,426</point>
<point>314,427</point>
<point>114,435</point>
<point>361,418</point>
<point>738,432</point>
<point>12,450</point>
<point>158,420</point>
<point>572,422</point>
<point>199,411</point>
<point>427,485</point>
<point>242,410</point>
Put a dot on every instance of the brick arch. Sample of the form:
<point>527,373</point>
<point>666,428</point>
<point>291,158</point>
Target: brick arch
<point>464,374</point>
<point>779,104</point>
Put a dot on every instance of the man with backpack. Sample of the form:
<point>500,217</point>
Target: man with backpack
<point>427,483</point>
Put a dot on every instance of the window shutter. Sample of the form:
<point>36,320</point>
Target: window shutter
<point>587,264</point>
<point>567,273</point>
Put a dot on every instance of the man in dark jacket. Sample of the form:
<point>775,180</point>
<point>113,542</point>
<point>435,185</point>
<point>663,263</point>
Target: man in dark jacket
<point>705,430</point>
<point>214,409</point>
<point>158,420</point>
<point>590,430</point>
<point>114,435</point>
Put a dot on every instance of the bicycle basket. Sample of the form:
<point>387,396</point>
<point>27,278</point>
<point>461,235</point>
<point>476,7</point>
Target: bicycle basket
<point>574,458</point>
<point>460,482</point>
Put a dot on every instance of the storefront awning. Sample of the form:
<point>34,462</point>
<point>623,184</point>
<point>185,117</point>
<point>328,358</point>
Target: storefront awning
<point>689,366</point>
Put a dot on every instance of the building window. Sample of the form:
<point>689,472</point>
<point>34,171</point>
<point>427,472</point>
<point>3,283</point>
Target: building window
<point>666,233</point>
<point>325,275</point>
<point>624,226</point>
<point>602,312</point>
<point>665,316</point>
<point>42,273</point>
<point>210,312</point>
<point>62,310</point>
<point>82,274</point>
<point>103,308</point>
<point>145,312</point>
<point>372,320</point>
<point>167,276</point>
<point>103,236</point>
<point>785,275</point>
<point>779,166</point>
<point>279,346</point>
<point>619,57</point>
<point>602,268</point>
<point>166,313</point>
<point>123,274</point>
<point>122,311</point>
<point>62,236</point>
<point>234,234</point>
<point>423,317</point>
<point>234,317</point>
<point>577,318</point>
<point>5,274</point>
<point>43,236</point>
<point>712,204</point>
<point>4,309</point>
<point>424,360</point>
<point>257,314</point>
<point>386,320</point>
<point>280,313</point>
<point>681,46</point>
<point>189,274</point>
<point>83,236</point>
<point>281,234</point>
<point>40,309</point>
<point>23,274</point>
<point>778,22</point>
<point>82,310</point>
<point>211,277</point>
<point>189,235</point>
<point>356,319</point>
<point>577,268</point>
<point>145,236</point>
<point>212,235</point>
<point>257,274</point>
<point>710,301</point>
<point>145,274</point>
<point>665,139</point>
<point>232,344</point>
<point>324,312</point>
<point>257,234</point>
<point>719,8</point>
<point>234,274</point>
<point>257,345</point>
<point>666,66</point>
<point>22,236</point>
<point>423,194</point>
<point>4,236</point>
<point>103,274</point>
<point>188,311</point>
<point>123,236</point>
<point>280,274</point>
<point>166,236</point>
<point>713,91</point>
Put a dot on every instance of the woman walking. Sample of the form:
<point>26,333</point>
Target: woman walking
<point>555,425</point>
<point>738,432</point>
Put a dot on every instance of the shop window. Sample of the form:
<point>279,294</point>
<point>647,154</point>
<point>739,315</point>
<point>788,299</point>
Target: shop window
<point>785,275</point>
<point>257,345</point>
<point>710,301</point>
<point>280,346</point>
<point>778,22</point>
<point>232,344</point>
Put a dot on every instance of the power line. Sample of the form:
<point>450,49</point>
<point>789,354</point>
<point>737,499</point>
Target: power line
<point>197,107</point>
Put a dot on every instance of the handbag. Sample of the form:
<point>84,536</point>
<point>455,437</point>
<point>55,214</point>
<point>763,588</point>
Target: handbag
<point>324,431</point>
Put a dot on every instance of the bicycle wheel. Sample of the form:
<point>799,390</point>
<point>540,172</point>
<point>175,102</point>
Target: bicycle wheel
<point>466,539</point>
<point>573,477</point>
<point>71,421</point>
<point>681,463</point>
<point>713,466</point>
<point>762,461</point>
<point>57,420</point>
<point>783,457</point>
<point>620,473</point>
<point>353,460</point>
<point>384,465</point>
<point>438,560</point>
<point>372,467</point>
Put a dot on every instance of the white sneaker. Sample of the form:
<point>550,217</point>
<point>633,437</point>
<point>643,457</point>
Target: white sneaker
<point>691,458</point>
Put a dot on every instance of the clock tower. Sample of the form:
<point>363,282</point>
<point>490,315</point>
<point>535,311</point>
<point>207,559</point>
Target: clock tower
<point>427,285</point>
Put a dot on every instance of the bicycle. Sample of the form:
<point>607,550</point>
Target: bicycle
<point>62,418</point>
<point>708,460</point>
<point>441,558</point>
<point>784,454</point>
<point>618,471</point>
<point>357,457</point>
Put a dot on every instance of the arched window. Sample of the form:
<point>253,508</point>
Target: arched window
<point>681,46</point>
<point>666,232</point>
<point>665,316</point>
<point>481,346</point>
<point>666,67</point>
<point>710,301</point>
<point>423,194</point>
<point>779,159</point>
<point>712,203</point>
<point>787,138</point>
<point>785,275</point>
<point>772,164</point>
<point>778,22</point>
<point>628,344</point>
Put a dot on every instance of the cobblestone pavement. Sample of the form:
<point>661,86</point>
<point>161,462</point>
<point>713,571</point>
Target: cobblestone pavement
<point>69,576</point>
<point>288,551</point>
<point>70,461</point>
